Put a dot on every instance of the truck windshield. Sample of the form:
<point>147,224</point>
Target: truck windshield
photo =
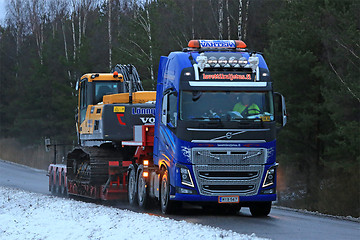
<point>226,106</point>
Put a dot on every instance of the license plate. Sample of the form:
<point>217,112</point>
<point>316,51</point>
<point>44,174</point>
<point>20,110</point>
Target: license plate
<point>228,199</point>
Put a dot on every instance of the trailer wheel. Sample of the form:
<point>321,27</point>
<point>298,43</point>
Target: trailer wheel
<point>132,188</point>
<point>260,209</point>
<point>51,182</point>
<point>57,184</point>
<point>142,193</point>
<point>167,206</point>
<point>63,190</point>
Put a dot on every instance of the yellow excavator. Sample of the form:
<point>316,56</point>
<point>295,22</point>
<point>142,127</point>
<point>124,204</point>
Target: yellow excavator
<point>109,105</point>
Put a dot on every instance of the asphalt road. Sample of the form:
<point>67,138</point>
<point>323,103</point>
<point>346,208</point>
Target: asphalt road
<point>280,224</point>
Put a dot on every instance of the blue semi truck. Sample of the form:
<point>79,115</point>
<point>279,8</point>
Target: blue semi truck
<point>209,147</point>
<point>208,139</point>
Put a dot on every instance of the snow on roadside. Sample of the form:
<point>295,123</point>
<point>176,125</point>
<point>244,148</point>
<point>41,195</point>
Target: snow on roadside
<point>25,215</point>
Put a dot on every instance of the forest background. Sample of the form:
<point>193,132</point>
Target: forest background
<point>311,46</point>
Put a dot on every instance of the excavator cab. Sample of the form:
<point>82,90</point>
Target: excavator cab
<point>92,89</point>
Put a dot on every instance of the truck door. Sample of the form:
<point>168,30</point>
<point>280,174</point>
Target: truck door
<point>168,125</point>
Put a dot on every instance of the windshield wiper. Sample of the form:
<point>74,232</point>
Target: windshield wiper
<point>207,118</point>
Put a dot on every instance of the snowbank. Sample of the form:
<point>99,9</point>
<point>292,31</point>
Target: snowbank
<point>25,215</point>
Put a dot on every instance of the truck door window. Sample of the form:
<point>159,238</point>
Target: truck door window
<point>172,110</point>
<point>169,109</point>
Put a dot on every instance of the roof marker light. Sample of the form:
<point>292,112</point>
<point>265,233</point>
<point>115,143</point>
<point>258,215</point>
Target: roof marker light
<point>194,44</point>
<point>115,74</point>
<point>240,44</point>
<point>94,76</point>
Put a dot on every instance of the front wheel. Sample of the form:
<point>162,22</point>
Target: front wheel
<point>132,188</point>
<point>167,206</point>
<point>260,209</point>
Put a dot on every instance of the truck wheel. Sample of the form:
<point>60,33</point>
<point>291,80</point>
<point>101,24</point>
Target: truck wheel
<point>132,188</point>
<point>167,206</point>
<point>142,193</point>
<point>260,209</point>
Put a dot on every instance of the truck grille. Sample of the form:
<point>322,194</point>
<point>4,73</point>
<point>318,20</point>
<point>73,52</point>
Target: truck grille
<point>231,156</point>
<point>240,171</point>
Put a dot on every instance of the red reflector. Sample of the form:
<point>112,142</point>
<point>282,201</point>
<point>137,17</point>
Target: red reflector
<point>126,163</point>
<point>113,163</point>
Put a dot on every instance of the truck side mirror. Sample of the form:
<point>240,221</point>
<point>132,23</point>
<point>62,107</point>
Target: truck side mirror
<point>164,111</point>
<point>280,110</point>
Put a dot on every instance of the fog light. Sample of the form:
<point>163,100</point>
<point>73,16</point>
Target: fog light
<point>268,191</point>
<point>185,191</point>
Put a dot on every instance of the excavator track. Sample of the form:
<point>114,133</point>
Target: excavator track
<point>90,164</point>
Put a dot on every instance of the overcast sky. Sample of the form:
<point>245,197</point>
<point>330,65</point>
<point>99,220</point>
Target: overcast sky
<point>2,11</point>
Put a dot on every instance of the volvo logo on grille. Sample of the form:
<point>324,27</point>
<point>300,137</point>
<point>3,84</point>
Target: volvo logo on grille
<point>229,135</point>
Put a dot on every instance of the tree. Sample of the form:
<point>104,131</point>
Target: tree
<point>310,67</point>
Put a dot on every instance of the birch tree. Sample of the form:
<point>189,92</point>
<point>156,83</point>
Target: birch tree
<point>246,18</point>
<point>221,18</point>
<point>80,10</point>
<point>37,17</point>
<point>57,10</point>
<point>228,20</point>
<point>145,24</point>
<point>109,33</point>
<point>16,19</point>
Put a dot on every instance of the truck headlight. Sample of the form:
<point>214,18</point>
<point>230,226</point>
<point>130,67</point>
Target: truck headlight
<point>186,178</point>
<point>270,177</point>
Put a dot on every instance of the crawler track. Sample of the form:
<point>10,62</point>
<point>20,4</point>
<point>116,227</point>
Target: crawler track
<point>90,164</point>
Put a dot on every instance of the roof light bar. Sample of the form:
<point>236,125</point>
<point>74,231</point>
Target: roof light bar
<point>216,44</point>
